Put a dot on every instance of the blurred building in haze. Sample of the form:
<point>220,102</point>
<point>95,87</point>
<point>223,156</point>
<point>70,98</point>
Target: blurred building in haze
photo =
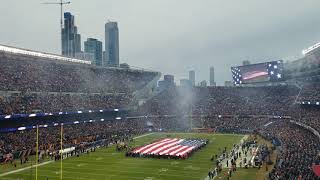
<point>212,81</point>
<point>246,62</point>
<point>167,82</point>
<point>185,83</point>
<point>192,77</point>
<point>228,83</point>
<point>203,83</point>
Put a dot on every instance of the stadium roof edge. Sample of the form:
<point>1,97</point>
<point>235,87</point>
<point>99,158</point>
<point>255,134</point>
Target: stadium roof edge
<point>28,52</point>
<point>22,51</point>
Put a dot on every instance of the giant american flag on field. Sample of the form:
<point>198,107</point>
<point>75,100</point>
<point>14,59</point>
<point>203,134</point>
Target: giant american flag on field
<point>170,146</point>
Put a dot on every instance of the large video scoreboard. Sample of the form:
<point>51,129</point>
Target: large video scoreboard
<point>256,73</point>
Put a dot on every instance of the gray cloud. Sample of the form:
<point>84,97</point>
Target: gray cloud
<point>174,36</point>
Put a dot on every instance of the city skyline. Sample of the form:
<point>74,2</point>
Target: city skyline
<point>217,33</point>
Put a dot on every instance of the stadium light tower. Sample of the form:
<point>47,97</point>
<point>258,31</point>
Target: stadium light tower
<point>61,3</point>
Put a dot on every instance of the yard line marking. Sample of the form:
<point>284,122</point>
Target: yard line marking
<point>70,170</point>
<point>48,162</point>
<point>25,168</point>
<point>143,135</point>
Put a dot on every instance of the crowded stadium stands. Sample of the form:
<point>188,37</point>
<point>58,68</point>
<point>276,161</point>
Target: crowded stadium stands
<point>75,135</point>
<point>21,74</point>
<point>41,103</point>
<point>31,84</point>
<point>253,109</point>
<point>37,85</point>
<point>299,151</point>
<point>228,100</point>
<point>310,93</point>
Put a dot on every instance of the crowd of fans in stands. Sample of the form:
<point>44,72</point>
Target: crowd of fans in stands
<point>41,86</point>
<point>300,149</point>
<point>28,86</point>
<point>27,104</point>
<point>224,101</point>
<point>247,109</point>
<point>310,93</point>
<point>73,135</point>
<point>44,76</point>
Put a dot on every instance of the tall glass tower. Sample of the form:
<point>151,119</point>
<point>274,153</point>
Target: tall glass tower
<point>94,47</point>
<point>71,40</point>
<point>111,44</point>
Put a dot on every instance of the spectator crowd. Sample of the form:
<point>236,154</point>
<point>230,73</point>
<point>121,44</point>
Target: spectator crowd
<point>36,103</point>
<point>266,110</point>
<point>30,75</point>
<point>73,135</point>
<point>299,150</point>
<point>42,86</point>
<point>38,85</point>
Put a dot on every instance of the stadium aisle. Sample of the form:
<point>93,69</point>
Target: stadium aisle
<point>224,162</point>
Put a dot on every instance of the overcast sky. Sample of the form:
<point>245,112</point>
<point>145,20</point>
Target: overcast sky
<point>174,36</point>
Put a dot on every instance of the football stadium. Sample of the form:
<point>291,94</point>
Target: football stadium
<point>83,115</point>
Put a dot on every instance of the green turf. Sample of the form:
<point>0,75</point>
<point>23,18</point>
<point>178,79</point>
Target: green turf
<point>107,164</point>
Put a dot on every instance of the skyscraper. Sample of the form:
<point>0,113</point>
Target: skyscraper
<point>111,44</point>
<point>212,82</point>
<point>95,47</point>
<point>192,77</point>
<point>71,40</point>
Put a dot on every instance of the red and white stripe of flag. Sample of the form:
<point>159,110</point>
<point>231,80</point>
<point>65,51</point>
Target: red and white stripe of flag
<point>166,147</point>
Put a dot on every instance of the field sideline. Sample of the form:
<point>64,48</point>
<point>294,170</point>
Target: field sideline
<point>107,164</point>
<point>47,162</point>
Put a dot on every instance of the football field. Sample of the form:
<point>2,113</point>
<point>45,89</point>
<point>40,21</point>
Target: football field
<point>107,164</point>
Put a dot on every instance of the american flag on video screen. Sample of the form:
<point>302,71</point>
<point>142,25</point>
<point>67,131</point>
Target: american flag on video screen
<point>170,146</point>
<point>271,69</point>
